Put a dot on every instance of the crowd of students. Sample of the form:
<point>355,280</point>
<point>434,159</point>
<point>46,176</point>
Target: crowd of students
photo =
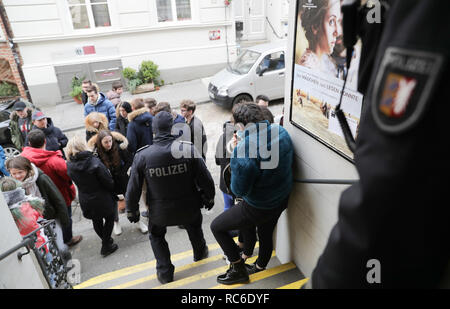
<point>99,165</point>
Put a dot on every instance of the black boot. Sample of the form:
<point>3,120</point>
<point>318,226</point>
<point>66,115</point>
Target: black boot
<point>108,247</point>
<point>237,273</point>
<point>252,269</point>
<point>202,255</point>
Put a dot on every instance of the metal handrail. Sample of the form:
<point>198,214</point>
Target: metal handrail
<point>27,243</point>
<point>327,181</point>
<point>54,269</point>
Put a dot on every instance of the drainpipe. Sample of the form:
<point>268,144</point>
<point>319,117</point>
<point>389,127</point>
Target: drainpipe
<point>13,47</point>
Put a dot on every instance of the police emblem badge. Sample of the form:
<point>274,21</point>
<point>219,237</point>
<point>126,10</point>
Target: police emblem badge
<point>403,87</point>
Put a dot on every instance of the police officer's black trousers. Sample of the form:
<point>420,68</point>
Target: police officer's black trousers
<point>245,218</point>
<point>160,246</point>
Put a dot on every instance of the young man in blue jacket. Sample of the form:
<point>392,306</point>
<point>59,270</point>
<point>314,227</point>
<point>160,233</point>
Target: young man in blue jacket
<point>261,174</point>
<point>97,102</point>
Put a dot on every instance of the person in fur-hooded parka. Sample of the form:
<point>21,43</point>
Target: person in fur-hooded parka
<point>94,123</point>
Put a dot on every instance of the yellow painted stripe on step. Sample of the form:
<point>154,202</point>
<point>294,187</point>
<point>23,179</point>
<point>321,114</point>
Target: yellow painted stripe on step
<point>259,276</point>
<point>198,277</point>
<point>135,269</point>
<point>294,285</point>
<point>177,270</point>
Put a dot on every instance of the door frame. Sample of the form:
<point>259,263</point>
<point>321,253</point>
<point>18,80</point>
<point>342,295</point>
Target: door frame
<point>247,19</point>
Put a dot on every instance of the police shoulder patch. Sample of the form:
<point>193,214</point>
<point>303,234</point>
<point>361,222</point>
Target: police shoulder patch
<point>403,88</point>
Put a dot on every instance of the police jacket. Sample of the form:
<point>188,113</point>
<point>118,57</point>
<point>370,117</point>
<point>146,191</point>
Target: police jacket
<point>393,229</point>
<point>173,182</point>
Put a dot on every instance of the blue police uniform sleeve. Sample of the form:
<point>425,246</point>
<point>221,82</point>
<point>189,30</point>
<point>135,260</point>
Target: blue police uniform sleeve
<point>392,215</point>
<point>203,177</point>
<point>134,188</point>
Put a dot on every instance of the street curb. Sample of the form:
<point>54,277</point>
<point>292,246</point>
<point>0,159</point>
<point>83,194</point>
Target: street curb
<point>70,129</point>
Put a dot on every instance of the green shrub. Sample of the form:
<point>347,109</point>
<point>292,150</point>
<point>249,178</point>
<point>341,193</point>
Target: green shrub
<point>75,85</point>
<point>134,83</point>
<point>76,91</point>
<point>148,72</point>
<point>129,73</point>
<point>8,90</point>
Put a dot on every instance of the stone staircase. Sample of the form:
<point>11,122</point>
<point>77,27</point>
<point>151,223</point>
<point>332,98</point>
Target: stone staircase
<point>198,275</point>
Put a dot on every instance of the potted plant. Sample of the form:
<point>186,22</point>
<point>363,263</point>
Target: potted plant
<point>77,90</point>
<point>132,78</point>
<point>143,80</point>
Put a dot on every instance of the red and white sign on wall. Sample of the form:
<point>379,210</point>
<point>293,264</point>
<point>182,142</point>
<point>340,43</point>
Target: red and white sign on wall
<point>85,50</point>
<point>214,35</point>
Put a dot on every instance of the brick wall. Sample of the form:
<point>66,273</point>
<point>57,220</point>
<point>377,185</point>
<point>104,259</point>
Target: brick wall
<point>9,73</point>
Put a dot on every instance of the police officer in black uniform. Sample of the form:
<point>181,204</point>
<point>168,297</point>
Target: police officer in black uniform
<point>393,230</point>
<point>178,186</point>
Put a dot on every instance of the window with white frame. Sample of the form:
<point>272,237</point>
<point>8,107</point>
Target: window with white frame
<point>87,14</point>
<point>173,10</point>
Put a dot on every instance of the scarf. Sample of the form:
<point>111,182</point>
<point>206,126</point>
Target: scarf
<point>30,185</point>
<point>15,198</point>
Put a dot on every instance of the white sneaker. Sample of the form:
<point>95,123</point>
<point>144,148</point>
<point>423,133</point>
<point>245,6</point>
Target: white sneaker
<point>143,227</point>
<point>117,228</point>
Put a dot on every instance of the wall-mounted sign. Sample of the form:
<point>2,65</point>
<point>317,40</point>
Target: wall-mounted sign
<point>214,35</point>
<point>318,73</point>
<point>85,50</point>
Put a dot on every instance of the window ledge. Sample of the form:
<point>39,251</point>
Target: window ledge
<point>96,34</point>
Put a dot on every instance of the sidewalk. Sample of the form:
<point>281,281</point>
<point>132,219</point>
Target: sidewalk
<point>70,116</point>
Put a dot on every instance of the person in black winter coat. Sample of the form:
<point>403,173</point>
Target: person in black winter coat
<point>122,111</point>
<point>139,132</point>
<point>95,189</point>
<point>111,149</point>
<point>223,159</point>
<point>55,139</point>
<point>163,171</point>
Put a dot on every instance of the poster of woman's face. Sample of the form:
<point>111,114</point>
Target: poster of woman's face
<point>320,67</point>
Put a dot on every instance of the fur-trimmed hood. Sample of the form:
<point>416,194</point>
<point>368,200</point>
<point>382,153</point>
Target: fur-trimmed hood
<point>135,114</point>
<point>93,117</point>
<point>119,138</point>
<point>14,117</point>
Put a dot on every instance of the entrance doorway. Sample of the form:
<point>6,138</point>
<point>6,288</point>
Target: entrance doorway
<point>103,73</point>
<point>250,16</point>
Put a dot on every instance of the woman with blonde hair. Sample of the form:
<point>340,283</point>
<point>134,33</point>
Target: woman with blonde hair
<point>95,189</point>
<point>94,123</point>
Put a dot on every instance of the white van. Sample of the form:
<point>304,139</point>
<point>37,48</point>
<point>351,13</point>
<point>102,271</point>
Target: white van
<point>259,70</point>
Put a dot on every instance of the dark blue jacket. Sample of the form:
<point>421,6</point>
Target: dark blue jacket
<point>103,106</point>
<point>163,172</point>
<point>139,132</point>
<point>55,139</point>
<point>262,178</point>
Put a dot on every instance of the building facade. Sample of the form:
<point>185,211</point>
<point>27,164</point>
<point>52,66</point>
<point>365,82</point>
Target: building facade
<point>96,39</point>
<point>10,60</point>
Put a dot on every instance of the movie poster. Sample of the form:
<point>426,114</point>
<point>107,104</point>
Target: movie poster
<point>319,72</point>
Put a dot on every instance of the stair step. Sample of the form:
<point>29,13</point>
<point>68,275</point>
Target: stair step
<point>198,275</point>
